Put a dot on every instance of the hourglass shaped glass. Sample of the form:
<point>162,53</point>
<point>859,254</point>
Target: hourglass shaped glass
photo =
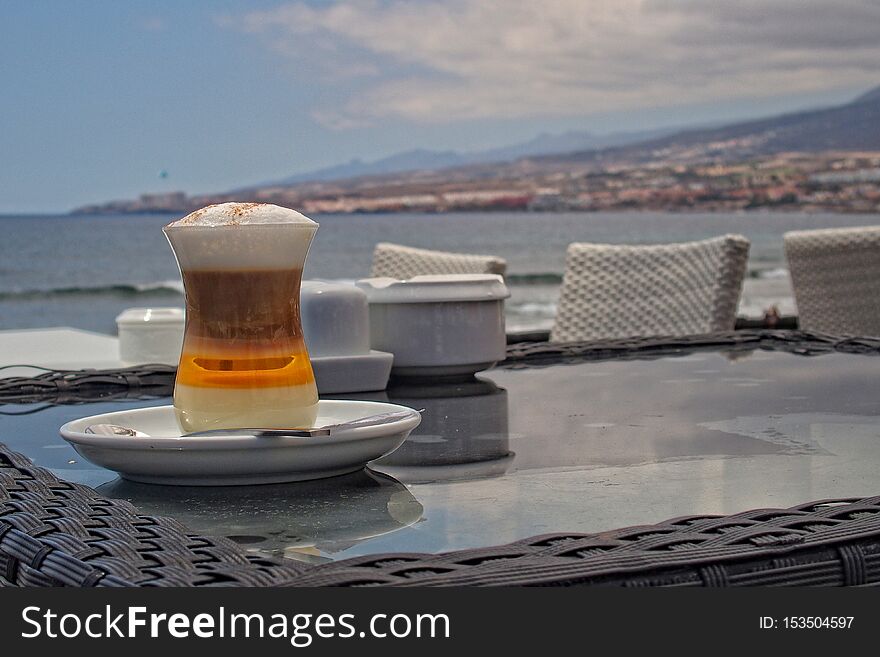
<point>244,361</point>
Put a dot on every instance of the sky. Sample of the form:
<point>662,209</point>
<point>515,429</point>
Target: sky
<point>100,96</point>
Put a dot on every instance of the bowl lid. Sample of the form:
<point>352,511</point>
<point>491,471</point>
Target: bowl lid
<point>437,288</point>
<point>316,288</point>
<point>133,316</point>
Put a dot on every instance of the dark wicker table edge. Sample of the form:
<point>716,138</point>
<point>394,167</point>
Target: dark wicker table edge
<point>733,343</point>
<point>52,387</point>
<point>57,533</point>
<point>825,542</point>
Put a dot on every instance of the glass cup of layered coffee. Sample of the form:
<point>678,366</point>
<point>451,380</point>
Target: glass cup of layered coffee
<point>244,362</point>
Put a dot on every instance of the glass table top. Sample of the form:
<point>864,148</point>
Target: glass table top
<point>580,447</point>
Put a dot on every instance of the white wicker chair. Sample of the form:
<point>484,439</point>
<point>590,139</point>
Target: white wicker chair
<point>835,273</point>
<point>611,291</point>
<point>404,262</point>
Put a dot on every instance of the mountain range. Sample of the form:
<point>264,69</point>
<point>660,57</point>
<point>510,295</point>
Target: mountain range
<point>427,159</point>
<point>851,126</point>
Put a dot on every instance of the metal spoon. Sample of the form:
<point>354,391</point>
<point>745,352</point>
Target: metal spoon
<point>114,430</point>
<point>326,430</point>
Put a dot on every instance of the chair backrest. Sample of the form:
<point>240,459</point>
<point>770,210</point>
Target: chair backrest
<point>835,273</point>
<point>610,291</point>
<point>397,261</point>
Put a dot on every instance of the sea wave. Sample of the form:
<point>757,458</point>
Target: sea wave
<point>554,278</point>
<point>769,274</point>
<point>175,287</point>
<point>532,308</point>
<point>536,278</point>
<point>169,288</point>
<point>778,272</point>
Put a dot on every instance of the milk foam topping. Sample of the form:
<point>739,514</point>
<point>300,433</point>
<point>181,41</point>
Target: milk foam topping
<point>241,214</point>
<point>241,236</point>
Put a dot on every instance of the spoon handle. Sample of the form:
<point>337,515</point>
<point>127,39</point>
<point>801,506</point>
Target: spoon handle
<point>261,433</point>
<point>300,432</point>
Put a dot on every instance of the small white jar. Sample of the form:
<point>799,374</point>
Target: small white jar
<point>336,327</point>
<point>440,325</point>
<point>150,335</point>
<point>335,319</point>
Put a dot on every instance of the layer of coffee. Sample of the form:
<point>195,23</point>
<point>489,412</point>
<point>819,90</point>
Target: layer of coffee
<point>234,305</point>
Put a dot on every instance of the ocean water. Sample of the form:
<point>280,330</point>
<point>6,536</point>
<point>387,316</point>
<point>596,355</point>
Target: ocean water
<point>82,271</point>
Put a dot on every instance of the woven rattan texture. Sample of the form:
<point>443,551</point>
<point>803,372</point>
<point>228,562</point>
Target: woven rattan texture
<point>801,343</point>
<point>396,261</point>
<point>83,386</point>
<point>55,533</point>
<point>836,278</point>
<point>613,291</point>
<point>155,381</point>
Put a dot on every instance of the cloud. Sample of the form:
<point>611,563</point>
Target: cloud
<point>153,24</point>
<point>441,61</point>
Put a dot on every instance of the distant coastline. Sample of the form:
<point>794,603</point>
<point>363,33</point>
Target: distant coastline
<point>821,182</point>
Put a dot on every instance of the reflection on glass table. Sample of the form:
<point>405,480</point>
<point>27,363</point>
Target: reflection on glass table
<point>463,434</point>
<point>303,520</point>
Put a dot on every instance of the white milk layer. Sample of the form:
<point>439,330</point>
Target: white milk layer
<point>201,408</point>
<point>241,236</point>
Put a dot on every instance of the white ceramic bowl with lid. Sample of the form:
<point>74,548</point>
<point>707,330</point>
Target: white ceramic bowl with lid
<point>150,335</point>
<point>438,325</point>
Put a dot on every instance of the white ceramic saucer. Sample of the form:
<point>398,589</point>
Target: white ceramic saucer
<point>166,457</point>
<point>336,375</point>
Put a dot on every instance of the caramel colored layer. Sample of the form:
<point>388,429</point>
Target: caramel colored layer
<point>245,371</point>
